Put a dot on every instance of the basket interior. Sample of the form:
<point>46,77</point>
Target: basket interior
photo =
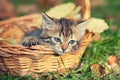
<point>15,28</point>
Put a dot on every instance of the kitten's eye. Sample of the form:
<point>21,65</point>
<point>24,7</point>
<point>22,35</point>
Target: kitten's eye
<point>57,39</point>
<point>72,42</point>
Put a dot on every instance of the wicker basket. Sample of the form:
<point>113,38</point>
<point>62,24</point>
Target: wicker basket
<point>19,60</point>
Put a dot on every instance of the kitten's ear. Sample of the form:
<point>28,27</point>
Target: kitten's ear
<point>47,22</point>
<point>82,27</point>
<point>84,24</point>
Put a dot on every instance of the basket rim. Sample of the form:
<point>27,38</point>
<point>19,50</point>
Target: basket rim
<point>17,18</point>
<point>34,50</point>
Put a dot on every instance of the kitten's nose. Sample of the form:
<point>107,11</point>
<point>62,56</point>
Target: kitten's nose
<point>63,49</point>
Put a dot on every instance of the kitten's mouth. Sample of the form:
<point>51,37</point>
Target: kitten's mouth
<point>60,53</point>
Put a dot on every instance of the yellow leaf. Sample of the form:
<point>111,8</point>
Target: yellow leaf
<point>62,10</point>
<point>97,25</point>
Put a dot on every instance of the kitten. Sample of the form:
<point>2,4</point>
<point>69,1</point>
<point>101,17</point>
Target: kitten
<point>61,35</point>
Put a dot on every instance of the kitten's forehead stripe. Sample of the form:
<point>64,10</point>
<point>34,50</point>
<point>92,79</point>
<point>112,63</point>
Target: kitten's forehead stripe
<point>66,26</point>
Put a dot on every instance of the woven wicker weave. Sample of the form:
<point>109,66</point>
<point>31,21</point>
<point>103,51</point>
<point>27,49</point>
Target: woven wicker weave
<point>19,60</point>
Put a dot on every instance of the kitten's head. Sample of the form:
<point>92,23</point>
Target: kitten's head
<point>62,34</point>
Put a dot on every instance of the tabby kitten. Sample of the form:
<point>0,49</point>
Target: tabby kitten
<point>61,35</point>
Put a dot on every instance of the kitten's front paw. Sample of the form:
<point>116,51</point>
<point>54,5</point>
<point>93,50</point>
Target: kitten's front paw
<point>30,41</point>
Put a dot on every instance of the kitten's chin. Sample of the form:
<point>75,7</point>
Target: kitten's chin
<point>60,53</point>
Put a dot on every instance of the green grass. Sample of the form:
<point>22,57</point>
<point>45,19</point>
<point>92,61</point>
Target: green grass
<point>11,77</point>
<point>97,52</point>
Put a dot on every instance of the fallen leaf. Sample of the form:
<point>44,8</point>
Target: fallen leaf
<point>112,64</point>
<point>63,10</point>
<point>97,70</point>
<point>97,25</point>
<point>112,59</point>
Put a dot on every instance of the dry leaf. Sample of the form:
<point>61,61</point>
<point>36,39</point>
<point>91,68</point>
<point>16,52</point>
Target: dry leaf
<point>97,25</point>
<point>63,10</point>
<point>74,12</point>
<point>112,64</point>
<point>112,59</point>
<point>97,70</point>
<point>114,68</point>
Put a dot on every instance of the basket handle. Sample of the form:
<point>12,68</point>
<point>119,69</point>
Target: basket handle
<point>85,8</point>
